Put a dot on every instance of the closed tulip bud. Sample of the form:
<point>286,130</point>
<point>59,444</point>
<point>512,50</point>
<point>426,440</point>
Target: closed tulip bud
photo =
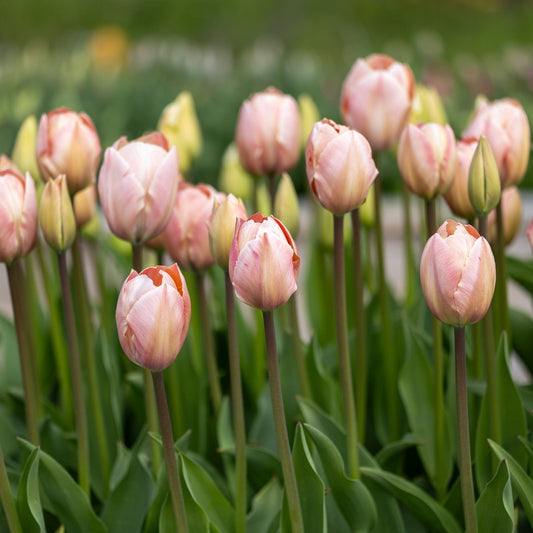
<point>376,99</point>
<point>24,150</point>
<point>85,205</point>
<point>286,206</point>
<point>268,133</point>
<point>264,263</point>
<point>367,210</point>
<point>427,159</point>
<point>458,274</point>
<point>67,143</point>
<point>484,189</point>
<point>18,215</point>
<point>56,215</point>
<point>506,128</point>
<point>529,233</point>
<point>427,106</point>
<point>233,178</point>
<point>179,123</point>
<point>339,165</point>
<point>511,214</point>
<point>137,186</point>
<point>153,315</point>
<point>308,114</point>
<point>221,227</point>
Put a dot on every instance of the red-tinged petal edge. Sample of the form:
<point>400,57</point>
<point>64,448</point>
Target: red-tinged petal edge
<point>154,273</point>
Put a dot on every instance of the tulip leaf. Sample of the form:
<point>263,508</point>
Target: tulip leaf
<point>28,499</point>
<point>520,271</point>
<point>522,336</point>
<point>266,505</point>
<point>10,376</point>
<point>495,507</point>
<point>196,518</point>
<point>512,420</point>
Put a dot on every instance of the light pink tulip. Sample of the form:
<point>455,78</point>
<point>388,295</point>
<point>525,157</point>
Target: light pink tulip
<point>376,99</point>
<point>263,262</point>
<point>268,133</point>
<point>511,214</point>
<point>18,215</point>
<point>529,233</point>
<point>504,124</point>
<point>427,158</point>
<point>7,164</point>
<point>186,236</point>
<point>458,274</point>
<point>137,186</point>
<point>67,143</point>
<point>340,168</point>
<point>153,315</point>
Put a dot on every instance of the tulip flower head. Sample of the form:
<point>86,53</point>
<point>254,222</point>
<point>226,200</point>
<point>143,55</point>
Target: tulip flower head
<point>153,315</point>
<point>339,165</point>
<point>511,214</point>
<point>263,262</point>
<point>458,274</point>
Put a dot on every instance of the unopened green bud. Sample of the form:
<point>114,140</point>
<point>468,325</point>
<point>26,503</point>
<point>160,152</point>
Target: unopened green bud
<point>484,188</point>
<point>286,205</point>
<point>56,215</point>
<point>427,106</point>
<point>309,114</point>
<point>24,150</point>
<point>233,178</point>
<point>263,199</point>
<point>366,211</point>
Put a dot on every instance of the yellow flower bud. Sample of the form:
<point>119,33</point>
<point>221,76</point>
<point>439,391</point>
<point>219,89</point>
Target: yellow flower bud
<point>24,150</point>
<point>427,106</point>
<point>233,178</point>
<point>286,205</point>
<point>309,114</point>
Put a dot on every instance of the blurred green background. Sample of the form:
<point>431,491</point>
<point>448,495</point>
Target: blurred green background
<point>122,61</point>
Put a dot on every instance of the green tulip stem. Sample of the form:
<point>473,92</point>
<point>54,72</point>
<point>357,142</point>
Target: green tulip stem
<point>463,432</point>
<point>15,274</point>
<point>408,247</point>
<point>303,378</point>
<point>287,467</point>
<point>170,454</point>
<point>360,328</point>
<point>209,347</point>
<point>438,384</point>
<point>348,401</point>
<point>238,409</point>
<point>501,276</point>
<point>76,376</point>
<point>7,500</point>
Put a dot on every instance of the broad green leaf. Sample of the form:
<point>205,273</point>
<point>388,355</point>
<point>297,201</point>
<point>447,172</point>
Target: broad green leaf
<point>522,483</point>
<point>266,506</point>
<point>352,497</point>
<point>495,508</point>
<point>528,446</point>
<point>521,271</point>
<point>64,497</point>
<point>391,451</point>
<point>9,366</point>
<point>196,518</point>
<point>436,518</point>
<point>28,500</point>
<point>522,336</point>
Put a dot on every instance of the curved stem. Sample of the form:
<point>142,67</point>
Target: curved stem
<point>289,477</point>
<point>7,500</point>
<point>303,378</point>
<point>342,345</point>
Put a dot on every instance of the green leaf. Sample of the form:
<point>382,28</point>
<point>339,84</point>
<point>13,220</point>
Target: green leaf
<point>351,496</point>
<point>28,500</point>
<point>495,508</point>
<point>391,451</point>
<point>522,483</point>
<point>266,506</point>
<point>522,336</point>
<point>520,271</point>
<point>435,517</point>
<point>64,497</point>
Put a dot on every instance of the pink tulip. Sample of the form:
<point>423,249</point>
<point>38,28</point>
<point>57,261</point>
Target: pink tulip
<point>511,214</point>
<point>529,233</point>
<point>7,164</point>
<point>427,158</point>
<point>268,133</point>
<point>153,315</point>
<point>376,99</point>
<point>137,186</point>
<point>263,262</point>
<point>458,274</point>
<point>340,168</point>
<point>67,143</point>
<point>18,215</point>
<point>186,236</point>
<point>505,126</point>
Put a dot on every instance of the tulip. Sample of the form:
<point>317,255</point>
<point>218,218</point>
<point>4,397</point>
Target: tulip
<point>504,123</point>
<point>18,215</point>
<point>427,158</point>
<point>186,236</point>
<point>340,168</point>
<point>427,106</point>
<point>309,114</point>
<point>153,315</point>
<point>529,233</point>
<point>85,205</point>
<point>233,178</point>
<point>8,164</point>
<point>67,143</point>
<point>268,133</point>
<point>137,186</point>
<point>376,99</point>
<point>263,262</point>
<point>458,274</point>
<point>512,216</point>
<point>286,206</point>
<point>24,150</point>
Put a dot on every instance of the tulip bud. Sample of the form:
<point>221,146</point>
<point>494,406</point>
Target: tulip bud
<point>24,150</point>
<point>339,165</point>
<point>427,159</point>
<point>263,262</point>
<point>153,315</point>
<point>18,215</point>
<point>484,189</point>
<point>56,215</point>
<point>233,178</point>
<point>427,106</point>
<point>221,226</point>
<point>511,215</point>
<point>308,115</point>
<point>85,205</point>
<point>179,124</point>
<point>286,206</point>
<point>8,164</point>
<point>367,212</point>
<point>458,274</point>
<point>529,233</point>
<point>263,199</point>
